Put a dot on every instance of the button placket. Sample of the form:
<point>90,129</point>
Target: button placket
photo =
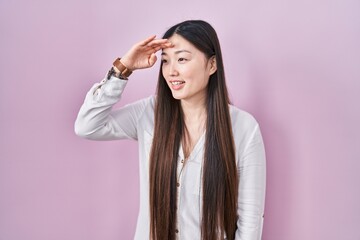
<point>180,168</point>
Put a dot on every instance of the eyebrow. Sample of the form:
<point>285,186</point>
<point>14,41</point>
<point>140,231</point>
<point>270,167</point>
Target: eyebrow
<point>177,52</point>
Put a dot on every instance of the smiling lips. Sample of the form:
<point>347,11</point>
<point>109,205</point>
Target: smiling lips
<point>177,84</point>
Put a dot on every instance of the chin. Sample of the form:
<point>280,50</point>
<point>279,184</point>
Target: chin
<point>177,97</point>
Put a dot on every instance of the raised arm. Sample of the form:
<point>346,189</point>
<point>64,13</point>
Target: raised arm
<point>96,120</point>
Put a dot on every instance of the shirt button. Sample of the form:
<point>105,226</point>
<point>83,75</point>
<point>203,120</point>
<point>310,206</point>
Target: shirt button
<point>176,230</point>
<point>182,160</point>
<point>178,184</point>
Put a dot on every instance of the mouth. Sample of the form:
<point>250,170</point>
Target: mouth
<point>177,82</point>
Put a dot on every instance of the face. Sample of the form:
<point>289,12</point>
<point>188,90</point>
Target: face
<point>186,70</point>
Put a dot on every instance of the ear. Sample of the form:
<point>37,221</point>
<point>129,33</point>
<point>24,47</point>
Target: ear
<point>213,65</point>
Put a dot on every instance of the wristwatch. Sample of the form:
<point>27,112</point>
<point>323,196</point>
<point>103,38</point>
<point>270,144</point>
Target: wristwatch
<point>125,72</point>
<point>121,71</point>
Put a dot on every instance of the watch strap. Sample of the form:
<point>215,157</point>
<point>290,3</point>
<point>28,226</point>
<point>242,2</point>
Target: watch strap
<point>124,71</point>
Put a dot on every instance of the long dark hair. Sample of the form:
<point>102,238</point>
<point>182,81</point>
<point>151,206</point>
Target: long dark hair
<point>220,178</point>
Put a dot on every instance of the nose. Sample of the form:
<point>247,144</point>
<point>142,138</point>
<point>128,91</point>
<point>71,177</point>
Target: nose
<point>173,70</point>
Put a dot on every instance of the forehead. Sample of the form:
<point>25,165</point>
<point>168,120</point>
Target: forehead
<point>179,44</point>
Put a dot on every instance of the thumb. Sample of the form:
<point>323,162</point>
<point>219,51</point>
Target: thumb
<point>152,59</point>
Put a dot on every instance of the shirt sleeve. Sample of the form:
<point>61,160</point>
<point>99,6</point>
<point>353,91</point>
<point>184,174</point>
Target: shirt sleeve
<point>97,121</point>
<point>251,199</point>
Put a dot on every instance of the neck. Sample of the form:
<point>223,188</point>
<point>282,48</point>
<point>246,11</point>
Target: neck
<point>195,120</point>
<point>193,111</point>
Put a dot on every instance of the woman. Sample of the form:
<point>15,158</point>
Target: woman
<point>202,160</point>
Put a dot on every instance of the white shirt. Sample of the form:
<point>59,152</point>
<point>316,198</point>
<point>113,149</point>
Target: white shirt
<point>98,121</point>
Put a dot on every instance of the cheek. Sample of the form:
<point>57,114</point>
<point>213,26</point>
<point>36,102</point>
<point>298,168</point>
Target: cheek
<point>163,71</point>
<point>199,75</point>
<point>190,72</point>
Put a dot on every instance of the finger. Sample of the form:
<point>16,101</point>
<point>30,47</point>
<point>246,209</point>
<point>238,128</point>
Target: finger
<point>152,59</point>
<point>155,42</point>
<point>155,48</point>
<point>147,40</point>
<point>167,45</point>
<point>162,46</point>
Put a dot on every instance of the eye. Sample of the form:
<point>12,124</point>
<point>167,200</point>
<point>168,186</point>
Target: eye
<point>182,59</point>
<point>163,61</point>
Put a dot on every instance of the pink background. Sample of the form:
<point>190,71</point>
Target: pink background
<point>295,65</point>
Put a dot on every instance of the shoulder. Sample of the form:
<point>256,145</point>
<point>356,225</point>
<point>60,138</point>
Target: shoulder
<point>147,102</point>
<point>140,107</point>
<point>146,112</point>
<point>241,119</point>
<point>245,128</point>
<point>246,132</point>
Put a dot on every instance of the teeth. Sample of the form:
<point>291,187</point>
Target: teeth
<point>177,82</point>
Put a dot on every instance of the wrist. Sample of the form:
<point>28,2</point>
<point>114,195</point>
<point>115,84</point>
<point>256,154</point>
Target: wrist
<point>121,68</point>
<point>127,63</point>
